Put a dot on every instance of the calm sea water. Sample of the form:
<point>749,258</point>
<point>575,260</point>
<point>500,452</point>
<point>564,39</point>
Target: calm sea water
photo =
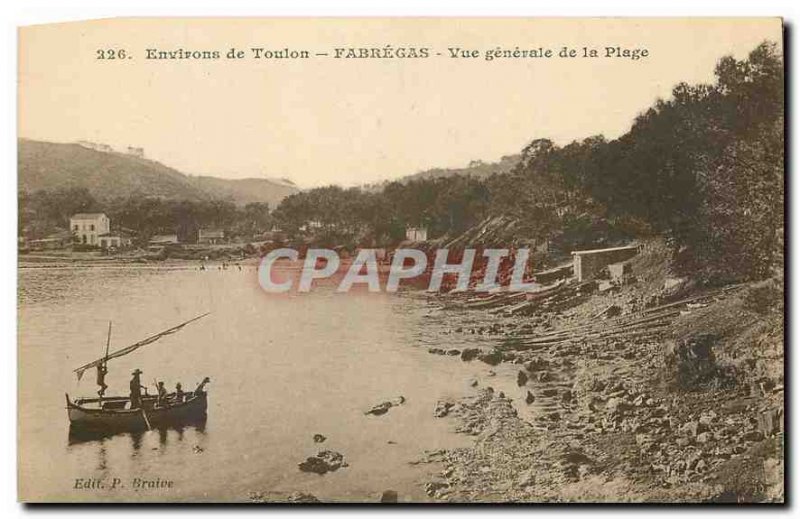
<point>282,367</point>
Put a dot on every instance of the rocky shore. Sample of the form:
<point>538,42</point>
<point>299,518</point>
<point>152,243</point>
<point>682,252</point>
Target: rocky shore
<point>675,396</point>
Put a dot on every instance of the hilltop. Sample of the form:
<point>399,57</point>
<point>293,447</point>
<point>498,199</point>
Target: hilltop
<point>109,174</point>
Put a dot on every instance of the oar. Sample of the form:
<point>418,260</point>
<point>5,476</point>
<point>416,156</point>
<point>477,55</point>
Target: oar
<point>146,421</point>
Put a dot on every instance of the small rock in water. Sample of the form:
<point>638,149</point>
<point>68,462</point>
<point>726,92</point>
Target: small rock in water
<point>384,407</point>
<point>318,438</point>
<point>380,409</point>
<point>529,398</point>
<point>522,378</point>
<point>389,496</point>
<point>324,461</point>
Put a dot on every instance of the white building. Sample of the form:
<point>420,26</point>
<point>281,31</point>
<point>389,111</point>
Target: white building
<point>210,236</point>
<point>114,241</point>
<point>87,227</point>
<point>417,233</point>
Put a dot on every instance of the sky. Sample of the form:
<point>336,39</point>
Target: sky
<point>325,120</point>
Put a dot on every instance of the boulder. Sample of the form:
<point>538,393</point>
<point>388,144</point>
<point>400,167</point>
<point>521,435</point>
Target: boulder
<point>468,354</point>
<point>753,436</point>
<point>323,462</point>
<point>442,408</point>
<point>522,378</point>
<point>318,438</point>
<point>389,496</point>
<point>536,365</point>
<point>434,486</point>
<point>529,398</point>
<point>493,358</point>
<point>384,407</point>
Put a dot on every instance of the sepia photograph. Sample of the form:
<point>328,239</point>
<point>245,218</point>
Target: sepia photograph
<point>401,260</point>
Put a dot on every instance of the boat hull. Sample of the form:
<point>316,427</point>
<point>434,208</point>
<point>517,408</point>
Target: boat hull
<point>118,419</point>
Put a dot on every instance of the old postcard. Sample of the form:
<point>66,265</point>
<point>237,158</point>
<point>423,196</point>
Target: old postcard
<point>409,260</point>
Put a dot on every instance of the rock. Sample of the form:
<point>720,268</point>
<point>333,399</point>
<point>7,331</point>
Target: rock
<point>536,364</point>
<point>318,438</point>
<point>380,409</point>
<point>389,496</point>
<point>468,354</point>
<point>323,462</point>
<point>442,408</point>
<point>703,437</point>
<point>434,486</point>
<point>614,405</point>
<point>522,378</point>
<point>753,436</point>
<point>436,351</point>
<point>384,407</point>
<point>526,479</point>
<point>453,352</point>
<point>492,358</point>
<point>529,398</point>
<point>769,422</point>
<point>473,382</point>
<point>542,376</point>
<point>302,497</point>
<point>693,428</point>
<point>708,418</point>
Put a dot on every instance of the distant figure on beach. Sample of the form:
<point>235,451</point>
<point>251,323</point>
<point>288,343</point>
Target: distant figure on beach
<point>179,393</point>
<point>102,370</point>
<point>136,389</point>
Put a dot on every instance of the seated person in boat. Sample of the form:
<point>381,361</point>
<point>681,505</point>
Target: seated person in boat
<point>136,389</point>
<point>179,393</point>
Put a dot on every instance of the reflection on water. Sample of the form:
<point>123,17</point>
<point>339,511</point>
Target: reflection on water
<point>79,435</point>
<point>284,367</point>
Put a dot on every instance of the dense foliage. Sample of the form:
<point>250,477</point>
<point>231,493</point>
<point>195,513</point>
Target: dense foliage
<point>704,168</point>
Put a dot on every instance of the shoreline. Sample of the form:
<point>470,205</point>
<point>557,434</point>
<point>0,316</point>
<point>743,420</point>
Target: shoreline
<point>610,409</point>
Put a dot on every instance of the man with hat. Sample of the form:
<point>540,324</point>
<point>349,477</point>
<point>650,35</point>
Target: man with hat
<point>136,389</point>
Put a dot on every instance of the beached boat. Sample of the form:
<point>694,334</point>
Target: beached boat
<point>117,414</point>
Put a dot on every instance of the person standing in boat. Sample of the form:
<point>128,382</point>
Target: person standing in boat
<point>136,389</point>
<point>102,370</point>
<point>162,394</point>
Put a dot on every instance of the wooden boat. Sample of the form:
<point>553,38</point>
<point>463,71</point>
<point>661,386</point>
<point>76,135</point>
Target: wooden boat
<point>113,414</point>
